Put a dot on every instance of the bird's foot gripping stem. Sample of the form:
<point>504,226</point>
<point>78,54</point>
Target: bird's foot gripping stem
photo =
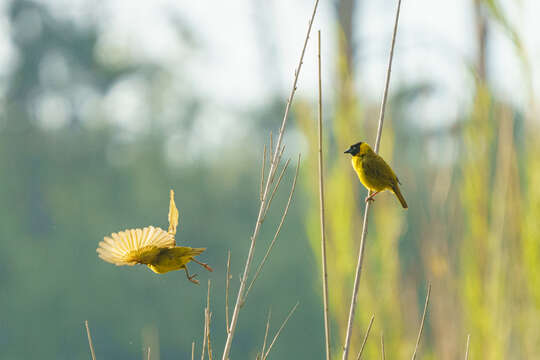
<point>372,196</point>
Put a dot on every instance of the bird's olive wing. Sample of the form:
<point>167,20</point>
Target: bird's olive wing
<point>376,168</point>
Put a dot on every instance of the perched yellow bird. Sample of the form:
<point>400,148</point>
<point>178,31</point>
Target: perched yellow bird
<point>374,173</point>
<point>151,246</point>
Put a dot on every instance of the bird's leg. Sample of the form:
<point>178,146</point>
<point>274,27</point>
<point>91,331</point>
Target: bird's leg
<point>204,265</point>
<point>192,277</point>
<point>371,197</point>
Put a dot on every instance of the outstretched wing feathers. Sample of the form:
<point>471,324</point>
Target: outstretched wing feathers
<point>134,246</point>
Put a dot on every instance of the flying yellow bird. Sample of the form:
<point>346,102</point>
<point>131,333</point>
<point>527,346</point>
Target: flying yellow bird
<point>151,246</point>
<point>374,173</point>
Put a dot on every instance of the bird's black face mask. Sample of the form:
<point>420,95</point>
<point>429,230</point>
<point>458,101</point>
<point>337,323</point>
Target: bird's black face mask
<point>354,149</point>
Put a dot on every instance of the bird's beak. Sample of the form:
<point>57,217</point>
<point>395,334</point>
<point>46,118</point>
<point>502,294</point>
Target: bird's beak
<point>348,151</point>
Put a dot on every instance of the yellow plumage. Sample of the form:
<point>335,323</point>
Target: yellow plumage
<point>151,246</point>
<point>374,173</point>
<point>174,259</point>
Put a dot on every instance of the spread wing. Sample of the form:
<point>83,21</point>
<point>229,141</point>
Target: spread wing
<point>134,246</point>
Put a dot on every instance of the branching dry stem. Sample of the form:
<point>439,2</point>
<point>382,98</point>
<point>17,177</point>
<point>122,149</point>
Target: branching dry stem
<point>276,186</point>
<point>276,234</point>
<point>240,298</point>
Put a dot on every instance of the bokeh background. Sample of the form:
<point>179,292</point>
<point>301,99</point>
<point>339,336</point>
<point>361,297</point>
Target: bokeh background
<point>105,105</point>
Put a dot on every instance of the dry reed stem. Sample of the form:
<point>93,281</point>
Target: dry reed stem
<point>148,352</point>
<point>321,207</point>
<point>366,211</point>
<point>365,338</point>
<point>208,342</point>
<point>279,330</point>
<point>90,340</point>
<point>467,348</point>
<point>193,350</point>
<point>206,321</point>
<point>273,166</point>
<point>271,151</point>
<point>227,283</point>
<point>280,177</point>
<point>271,177</point>
<point>204,339</point>
<point>422,323</point>
<point>382,345</point>
<point>266,331</point>
<point>262,174</point>
<point>276,234</point>
<point>279,180</point>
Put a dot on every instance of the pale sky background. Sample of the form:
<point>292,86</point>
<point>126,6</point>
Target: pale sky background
<point>247,50</point>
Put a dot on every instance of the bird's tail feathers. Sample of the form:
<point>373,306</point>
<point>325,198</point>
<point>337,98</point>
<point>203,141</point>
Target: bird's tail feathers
<point>197,251</point>
<point>400,197</point>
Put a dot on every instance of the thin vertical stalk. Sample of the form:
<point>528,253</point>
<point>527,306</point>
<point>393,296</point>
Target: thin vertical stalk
<point>366,212</point>
<point>227,282</point>
<point>321,203</point>
<point>90,340</point>
<point>422,323</point>
<point>266,333</point>
<point>365,338</point>
<point>467,348</point>
<point>382,346</point>
<point>206,336</point>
